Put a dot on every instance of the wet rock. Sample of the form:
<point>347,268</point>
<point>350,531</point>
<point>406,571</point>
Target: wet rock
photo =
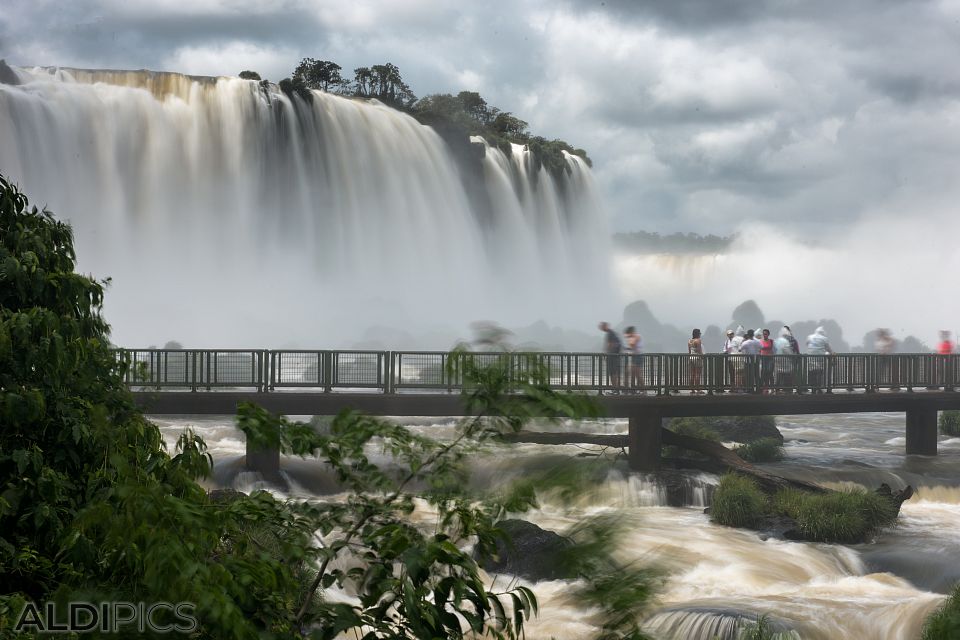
<point>897,498</point>
<point>533,553</point>
<point>683,489</point>
<point>7,76</point>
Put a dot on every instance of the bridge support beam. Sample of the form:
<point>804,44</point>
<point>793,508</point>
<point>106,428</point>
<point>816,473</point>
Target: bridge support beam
<point>922,432</point>
<point>644,439</point>
<point>266,461</point>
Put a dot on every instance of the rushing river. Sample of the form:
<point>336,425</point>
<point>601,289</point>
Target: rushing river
<point>882,590</point>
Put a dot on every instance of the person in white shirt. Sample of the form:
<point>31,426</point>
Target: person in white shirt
<point>818,345</point>
<point>785,366</point>
<point>750,346</point>
<point>729,346</point>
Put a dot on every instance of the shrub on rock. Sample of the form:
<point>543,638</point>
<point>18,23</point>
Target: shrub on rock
<point>738,502</point>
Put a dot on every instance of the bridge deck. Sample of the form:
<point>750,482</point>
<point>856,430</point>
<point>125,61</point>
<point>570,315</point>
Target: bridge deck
<point>408,383</point>
<point>619,406</point>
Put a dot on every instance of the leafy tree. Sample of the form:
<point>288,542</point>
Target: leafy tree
<point>322,75</point>
<point>386,83</point>
<point>93,509</point>
<point>475,106</point>
<point>362,81</point>
<point>250,75</point>
<point>509,125</point>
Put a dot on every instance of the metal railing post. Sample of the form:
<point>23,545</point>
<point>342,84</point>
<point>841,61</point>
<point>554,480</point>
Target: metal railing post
<point>193,370</point>
<point>327,359</point>
<point>388,377</point>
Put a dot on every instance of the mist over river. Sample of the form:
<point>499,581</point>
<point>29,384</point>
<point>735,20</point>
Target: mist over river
<point>882,590</point>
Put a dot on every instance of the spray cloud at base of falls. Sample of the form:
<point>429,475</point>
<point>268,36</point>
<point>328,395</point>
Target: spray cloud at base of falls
<point>227,214</point>
<point>887,270</point>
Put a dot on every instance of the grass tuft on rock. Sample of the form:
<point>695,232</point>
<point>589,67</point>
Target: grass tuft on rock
<point>950,423</point>
<point>763,450</point>
<point>738,502</point>
<point>841,516</point>
<point>944,623</point>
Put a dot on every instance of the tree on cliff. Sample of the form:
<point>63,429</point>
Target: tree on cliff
<point>93,509</point>
<point>383,82</point>
<point>322,75</point>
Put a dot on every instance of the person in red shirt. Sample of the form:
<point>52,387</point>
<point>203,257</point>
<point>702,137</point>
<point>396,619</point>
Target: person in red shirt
<point>945,347</point>
<point>766,364</point>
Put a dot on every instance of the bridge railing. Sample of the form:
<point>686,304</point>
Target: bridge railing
<point>194,369</point>
<point>661,373</point>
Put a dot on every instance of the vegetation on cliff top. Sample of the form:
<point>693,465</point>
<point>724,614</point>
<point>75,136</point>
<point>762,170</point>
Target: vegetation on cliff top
<point>464,114</point>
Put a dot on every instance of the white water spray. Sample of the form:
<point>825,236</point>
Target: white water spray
<point>231,216</point>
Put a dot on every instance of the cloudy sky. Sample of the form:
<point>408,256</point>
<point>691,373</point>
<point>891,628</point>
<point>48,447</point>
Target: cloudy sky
<point>700,115</point>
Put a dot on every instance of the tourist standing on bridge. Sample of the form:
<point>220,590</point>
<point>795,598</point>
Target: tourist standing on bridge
<point>612,346</point>
<point>634,347</point>
<point>793,341</point>
<point>729,348</point>
<point>737,360</point>
<point>751,349</point>
<point>767,349</point>
<point>818,345</point>
<point>695,352</point>
<point>728,345</point>
<point>944,348</point>
<point>797,363</point>
<point>885,345</point>
<point>785,345</point>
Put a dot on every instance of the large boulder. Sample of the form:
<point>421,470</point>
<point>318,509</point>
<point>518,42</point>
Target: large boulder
<point>532,553</point>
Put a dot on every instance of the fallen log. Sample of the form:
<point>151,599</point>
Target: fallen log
<point>723,459</point>
<point>770,482</point>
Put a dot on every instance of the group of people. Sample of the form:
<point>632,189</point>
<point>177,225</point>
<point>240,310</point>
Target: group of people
<point>624,356</point>
<point>738,341</point>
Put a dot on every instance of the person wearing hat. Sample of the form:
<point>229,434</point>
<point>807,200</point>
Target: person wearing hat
<point>731,346</point>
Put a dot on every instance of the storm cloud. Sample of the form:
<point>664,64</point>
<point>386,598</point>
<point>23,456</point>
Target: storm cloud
<point>700,115</point>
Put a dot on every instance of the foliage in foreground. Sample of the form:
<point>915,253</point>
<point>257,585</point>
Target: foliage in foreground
<point>762,450</point>
<point>944,624</point>
<point>93,509</point>
<point>950,423</point>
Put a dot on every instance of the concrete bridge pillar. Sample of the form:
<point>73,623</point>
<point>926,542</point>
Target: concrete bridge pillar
<point>644,438</point>
<point>922,432</point>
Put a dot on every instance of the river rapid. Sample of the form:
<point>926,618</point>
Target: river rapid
<point>717,576</point>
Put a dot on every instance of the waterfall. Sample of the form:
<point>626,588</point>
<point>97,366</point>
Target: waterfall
<point>231,214</point>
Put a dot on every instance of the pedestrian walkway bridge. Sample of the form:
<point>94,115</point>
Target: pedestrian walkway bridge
<point>645,388</point>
